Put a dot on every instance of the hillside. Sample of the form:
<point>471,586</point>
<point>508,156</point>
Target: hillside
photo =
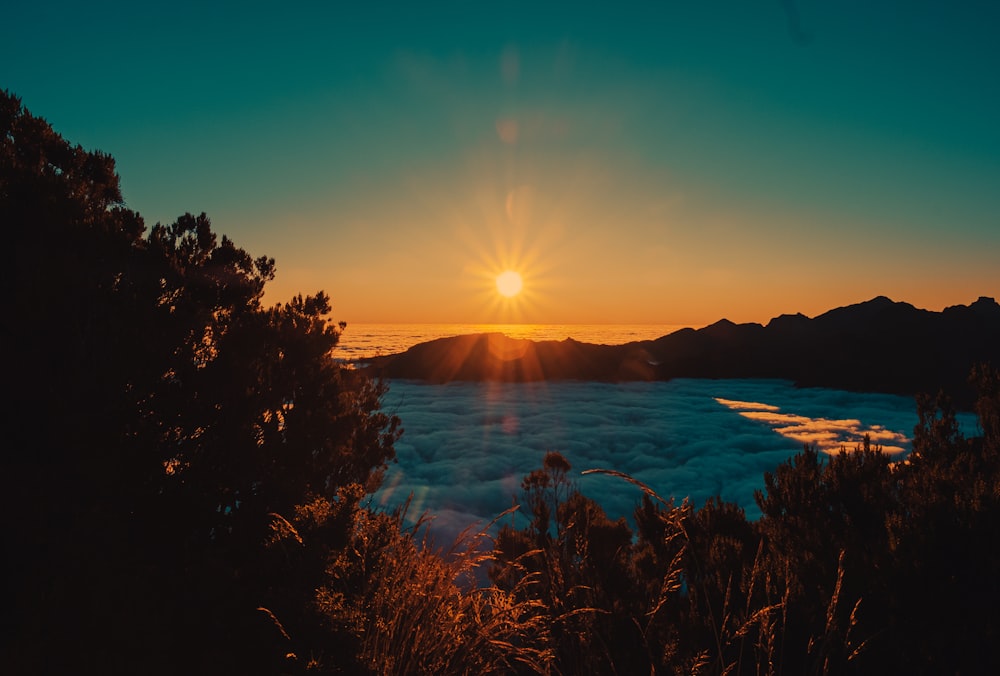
<point>878,345</point>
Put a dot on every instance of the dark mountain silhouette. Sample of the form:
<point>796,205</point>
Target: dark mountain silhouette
<point>879,345</point>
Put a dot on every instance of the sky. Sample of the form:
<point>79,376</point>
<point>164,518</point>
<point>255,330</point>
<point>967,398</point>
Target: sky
<point>634,162</point>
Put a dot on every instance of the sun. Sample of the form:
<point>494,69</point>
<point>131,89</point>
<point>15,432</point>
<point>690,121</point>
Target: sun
<point>509,283</point>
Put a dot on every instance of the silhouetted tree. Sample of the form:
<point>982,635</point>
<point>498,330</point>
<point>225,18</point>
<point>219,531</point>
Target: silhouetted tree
<point>945,540</point>
<point>167,429</point>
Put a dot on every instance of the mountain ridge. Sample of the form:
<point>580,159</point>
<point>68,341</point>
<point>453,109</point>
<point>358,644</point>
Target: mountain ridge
<point>878,345</point>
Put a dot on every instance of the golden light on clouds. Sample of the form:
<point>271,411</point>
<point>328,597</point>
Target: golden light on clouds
<point>830,436</point>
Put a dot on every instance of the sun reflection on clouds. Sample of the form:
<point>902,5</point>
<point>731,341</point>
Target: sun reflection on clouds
<point>828,435</point>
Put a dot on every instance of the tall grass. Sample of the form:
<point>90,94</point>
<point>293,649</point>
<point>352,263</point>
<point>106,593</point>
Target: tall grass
<point>414,609</point>
<point>419,610</point>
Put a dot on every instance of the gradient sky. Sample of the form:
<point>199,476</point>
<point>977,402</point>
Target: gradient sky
<point>663,162</point>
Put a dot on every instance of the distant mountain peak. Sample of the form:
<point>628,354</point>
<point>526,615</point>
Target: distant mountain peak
<point>722,324</point>
<point>984,306</point>
<point>865,310</point>
<point>883,302</point>
<point>788,320</point>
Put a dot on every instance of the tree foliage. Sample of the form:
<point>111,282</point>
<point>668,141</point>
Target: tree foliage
<point>166,424</point>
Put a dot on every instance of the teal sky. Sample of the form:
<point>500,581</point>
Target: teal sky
<point>668,162</point>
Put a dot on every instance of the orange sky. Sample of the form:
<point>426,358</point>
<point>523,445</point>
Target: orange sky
<point>593,246</point>
<point>668,163</point>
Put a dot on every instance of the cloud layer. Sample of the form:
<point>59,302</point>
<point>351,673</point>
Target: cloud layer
<point>466,446</point>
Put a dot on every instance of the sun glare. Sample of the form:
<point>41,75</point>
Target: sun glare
<point>512,255</point>
<point>509,283</point>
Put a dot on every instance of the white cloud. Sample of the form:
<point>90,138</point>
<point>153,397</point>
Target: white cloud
<point>466,446</point>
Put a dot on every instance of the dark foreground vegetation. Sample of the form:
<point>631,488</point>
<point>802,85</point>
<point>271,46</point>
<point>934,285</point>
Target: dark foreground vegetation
<point>184,492</point>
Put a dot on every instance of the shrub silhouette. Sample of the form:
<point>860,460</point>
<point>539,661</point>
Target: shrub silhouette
<point>166,421</point>
<point>858,564</point>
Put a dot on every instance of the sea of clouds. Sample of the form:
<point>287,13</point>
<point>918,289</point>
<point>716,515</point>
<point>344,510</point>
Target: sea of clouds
<point>467,446</point>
